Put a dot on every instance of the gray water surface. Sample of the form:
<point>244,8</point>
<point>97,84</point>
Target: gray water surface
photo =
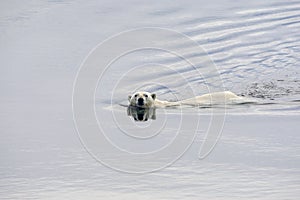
<point>255,46</point>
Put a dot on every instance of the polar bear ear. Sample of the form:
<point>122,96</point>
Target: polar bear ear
<point>129,97</point>
<point>153,96</point>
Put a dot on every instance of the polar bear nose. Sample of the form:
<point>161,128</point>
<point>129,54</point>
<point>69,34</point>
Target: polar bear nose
<point>140,101</point>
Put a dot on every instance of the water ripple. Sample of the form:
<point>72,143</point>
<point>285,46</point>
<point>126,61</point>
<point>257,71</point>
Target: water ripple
<point>249,48</point>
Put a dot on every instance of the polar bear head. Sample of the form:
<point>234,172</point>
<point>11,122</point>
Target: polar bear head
<point>142,99</point>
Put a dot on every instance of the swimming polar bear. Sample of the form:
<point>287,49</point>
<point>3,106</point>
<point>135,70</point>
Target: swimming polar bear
<point>148,100</point>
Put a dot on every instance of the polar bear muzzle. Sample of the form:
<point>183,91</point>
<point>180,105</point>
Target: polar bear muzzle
<point>140,101</point>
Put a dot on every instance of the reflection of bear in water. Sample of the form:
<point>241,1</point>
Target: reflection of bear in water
<point>141,114</point>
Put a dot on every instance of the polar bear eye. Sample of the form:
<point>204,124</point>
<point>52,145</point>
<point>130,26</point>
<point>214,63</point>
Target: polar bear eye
<point>135,96</point>
<point>145,95</point>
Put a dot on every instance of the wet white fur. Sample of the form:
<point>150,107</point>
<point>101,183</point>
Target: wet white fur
<point>206,99</point>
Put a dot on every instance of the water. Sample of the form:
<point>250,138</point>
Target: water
<point>255,47</point>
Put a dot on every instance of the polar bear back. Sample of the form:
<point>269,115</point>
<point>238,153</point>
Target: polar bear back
<point>211,98</point>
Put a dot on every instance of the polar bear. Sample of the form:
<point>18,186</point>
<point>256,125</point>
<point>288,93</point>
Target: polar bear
<point>147,100</point>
